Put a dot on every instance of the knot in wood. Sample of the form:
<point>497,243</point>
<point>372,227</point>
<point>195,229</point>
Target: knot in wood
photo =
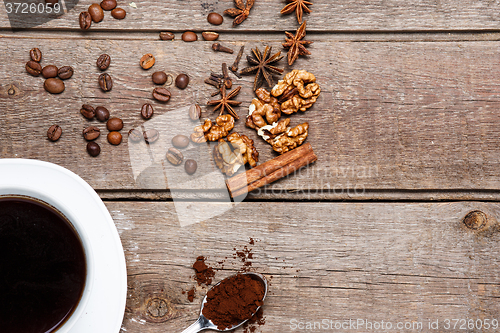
<point>475,220</point>
<point>12,91</point>
<point>157,309</point>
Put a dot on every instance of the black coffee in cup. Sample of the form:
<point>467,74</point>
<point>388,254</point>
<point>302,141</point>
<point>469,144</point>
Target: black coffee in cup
<point>42,266</point>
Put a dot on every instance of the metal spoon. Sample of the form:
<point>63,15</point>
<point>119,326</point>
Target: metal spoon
<point>203,323</point>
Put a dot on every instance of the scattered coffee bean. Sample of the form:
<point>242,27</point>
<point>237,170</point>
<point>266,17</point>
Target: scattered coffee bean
<point>180,141</point>
<point>50,3</point>
<point>190,166</point>
<point>108,4</point>
<point>103,62</point>
<point>161,94</point>
<point>210,35</point>
<point>87,111</point>
<point>85,20</point>
<point>101,113</point>
<point>118,13</point>
<point>182,81</point>
<point>115,138</point>
<point>135,135</point>
<point>114,124</point>
<point>33,68</point>
<point>93,149</point>
<point>167,36</point>
<point>195,112</point>
<point>189,36</point>
<point>54,85</point>
<point>147,111</point>
<point>215,18</point>
<point>159,77</point>
<point>95,11</point>
<point>65,72</point>
<point>36,54</point>
<point>105,82</point>
<point>150,136</point>
<point>147,61</point>
<point>174,156</point>
<point>91,133</point>
<point>49,71</point>
<point>54,132</point>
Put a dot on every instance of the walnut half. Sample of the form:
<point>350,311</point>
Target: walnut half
<point>238,150</point>
<point>213,132</point>
<point>297,91</point>
<point>282,137</point>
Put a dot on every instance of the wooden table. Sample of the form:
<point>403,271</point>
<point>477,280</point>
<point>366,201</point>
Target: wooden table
<point>407,136</point>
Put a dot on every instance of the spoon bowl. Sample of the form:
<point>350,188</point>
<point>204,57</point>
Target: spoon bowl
<point>204,324</point>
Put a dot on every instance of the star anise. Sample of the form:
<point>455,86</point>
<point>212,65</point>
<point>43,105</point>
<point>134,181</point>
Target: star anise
<point>262,63</point>
<point>295,44</point>
<point>241,12</point>
<point>300,6</point>
<point>226,102</point>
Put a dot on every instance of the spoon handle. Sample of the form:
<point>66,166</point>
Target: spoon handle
<point>196,326</point>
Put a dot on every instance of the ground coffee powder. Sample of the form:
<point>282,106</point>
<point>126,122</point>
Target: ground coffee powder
<point>234,300</point>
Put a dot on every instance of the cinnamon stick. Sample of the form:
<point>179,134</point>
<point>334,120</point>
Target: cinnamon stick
<point>271,171</point>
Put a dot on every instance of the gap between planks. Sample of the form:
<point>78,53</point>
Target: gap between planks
<point>368,195</point>
<point>259,36</point>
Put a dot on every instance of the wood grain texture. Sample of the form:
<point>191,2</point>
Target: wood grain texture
<point>348,15</point>
<point>416,116</point>
<point>391,262</point>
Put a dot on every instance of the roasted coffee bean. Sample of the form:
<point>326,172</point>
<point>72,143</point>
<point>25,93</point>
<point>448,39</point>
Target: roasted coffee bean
<point>103,62</point>
<point>182,81</point>
<point>174,156</point>
<point>54,85</point>
<point>147,111</point>
<point>36,54</point>
<point>159,77</point>
<point>114,124</point>
<point>215,18</point>
<point>161,94</point>
<point>85,20</point>
<point>189,36</point>
<point>87,111</point>
<point>95,11</point>
<point>50,3</point>
<point>147,61</point>
<point>150,136</point>
<point>135,135</point>
<point>105,82</point>
<point>33,68</point>
<point>190,166</point>
<point>119,13</point>
<point>101,113</point>
<point>54,132</point>
<point>91,133</point>
<point>93,149</point>
<point>65,72</point>
<point>49,71</point>
<point>209,35</point>
<point>180,141</point>
<point>115,138</point>
<point>195,112</point>
<point>108,4</point>
<point>167,35</point>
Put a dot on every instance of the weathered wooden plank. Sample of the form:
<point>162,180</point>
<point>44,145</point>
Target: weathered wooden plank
<point>417,116</point>
<point>349,15</point>
<point>392,262</point>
